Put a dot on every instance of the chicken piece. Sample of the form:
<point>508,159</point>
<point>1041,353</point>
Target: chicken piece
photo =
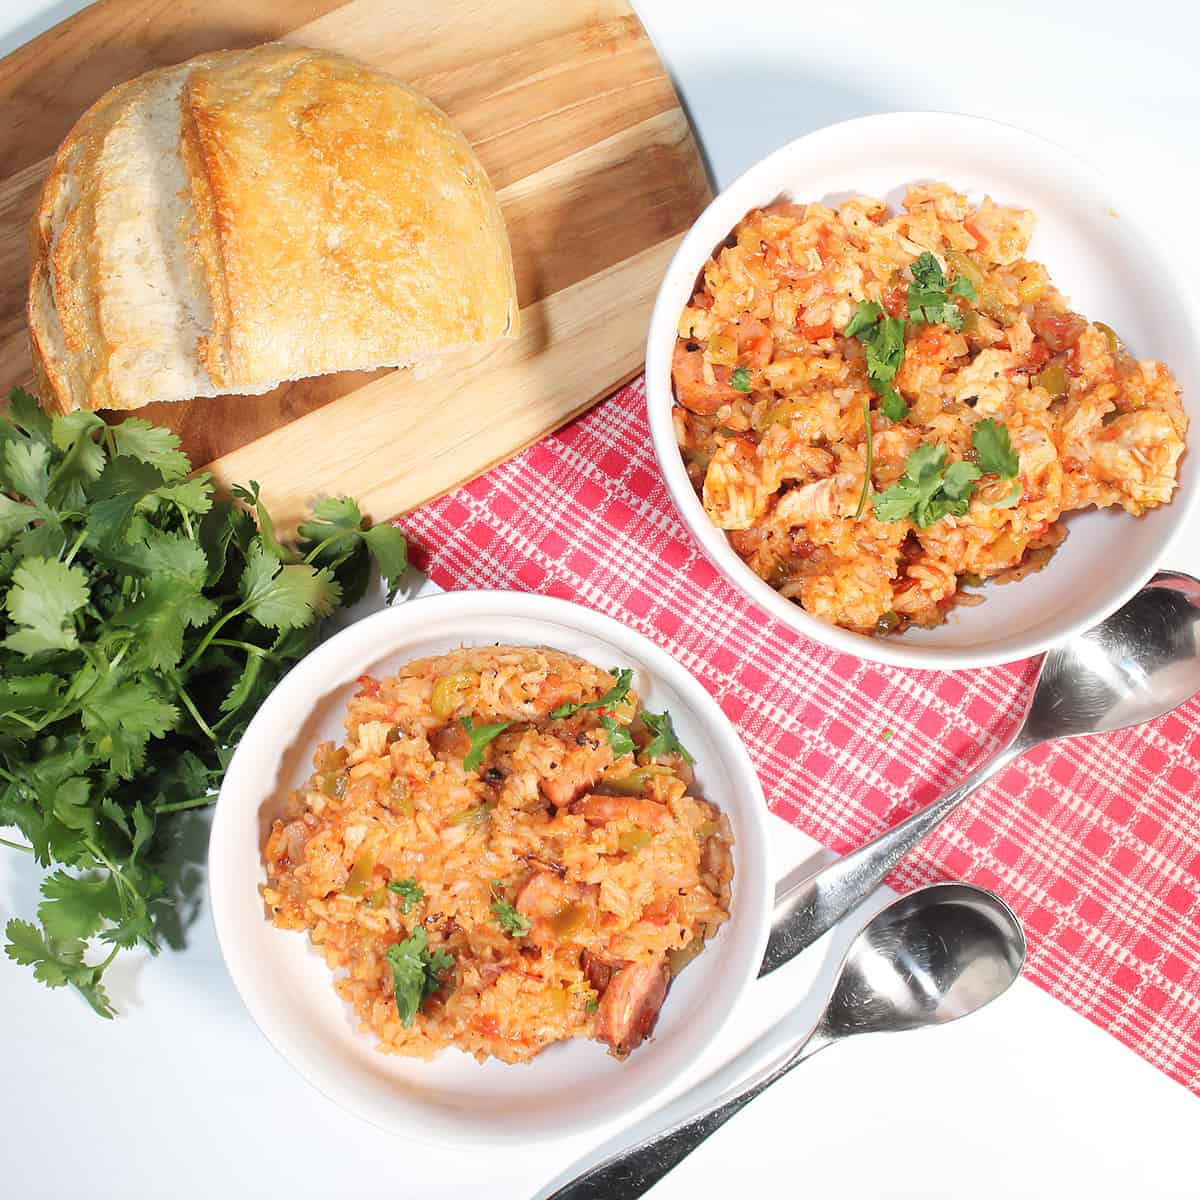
<point>630,1004</point>
<point>580,767</point>
<point>600,810</point>
<point>1138,452</point>
<point>826,498</point>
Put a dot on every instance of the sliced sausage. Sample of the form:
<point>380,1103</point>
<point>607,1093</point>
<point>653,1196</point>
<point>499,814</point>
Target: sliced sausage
<point>630,1004</point>
<point>600,810</point>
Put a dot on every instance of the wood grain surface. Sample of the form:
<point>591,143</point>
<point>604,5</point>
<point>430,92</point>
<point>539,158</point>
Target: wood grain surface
<point>582,134</point>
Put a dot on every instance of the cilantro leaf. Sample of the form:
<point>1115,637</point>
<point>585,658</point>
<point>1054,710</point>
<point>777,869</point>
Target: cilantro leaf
<point>664,740</point>
<point>120,717</point>
<point>416,972</point>
<point>962,286</point>
<point>481,736</point>
<point>611,698</point>
<point>14,516</point>
<point>56,963</point>
<point>410,893</point>
<point>44,598</point>
<point>892,405</point>
<point>996,453</point>
<point>618,737</point>
<point>928,300</point>
<point>1007,501</point>
<point>26,469</point>
<point>266,527</point>
<point>75,907</point>
<point>507,917</point>
<point>159,448</point>
<point>389,547</point>
<point>927,271</point>
<point>286,597</point>
<point>866,314</point>
<point>158,620</point>
<point>739,380</point>
<point>929,489</point>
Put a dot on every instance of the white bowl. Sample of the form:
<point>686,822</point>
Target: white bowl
<point>287,986</point>
<point>1096,254</point>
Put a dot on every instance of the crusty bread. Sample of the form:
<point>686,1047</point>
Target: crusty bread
<point>254,216</point>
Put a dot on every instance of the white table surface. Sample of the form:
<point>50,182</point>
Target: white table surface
<point>182,1096</point>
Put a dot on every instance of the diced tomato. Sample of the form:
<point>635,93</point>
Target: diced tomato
<point>895,300</point>
<point>702,300</point>
<point>367,686</point>
<point>1059,331</point>
<point>486,1026</point>
<point>803,547</point>
<point>814,333</point>
<point>826,243</point>
<point>1039,354</point>
<point>930,341</point>
<point>973,230</point>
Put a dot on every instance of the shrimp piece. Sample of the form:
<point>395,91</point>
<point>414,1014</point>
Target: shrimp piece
<point>735,493</point>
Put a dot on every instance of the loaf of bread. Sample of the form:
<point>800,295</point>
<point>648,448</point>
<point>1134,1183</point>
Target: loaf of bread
<point>250,217</point>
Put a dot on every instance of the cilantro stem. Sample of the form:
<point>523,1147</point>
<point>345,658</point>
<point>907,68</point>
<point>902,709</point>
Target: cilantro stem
<point>333,537</point>
<point>187,703</point>
<point>866,488</point>
<point>15,845</point>
<point>75,548</point>
<point>180,805</point>
<point>116,873</point>
<point>207,639</point>
<point>249,647</point>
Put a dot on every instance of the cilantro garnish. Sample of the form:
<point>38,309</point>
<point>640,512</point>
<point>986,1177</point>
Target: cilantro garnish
<point>142,622</point>
<point>507,917</point>
<point>481,736</point>
<point>618,737</point>
<point>740,380</point>
<point>928,300</point>
<point>664,740</point>
<point>995,449</point>
<point>930,489</point>
<point>416,972</point>
<point>610,699</point>
<point>883,339</point>
<point>409,891</point>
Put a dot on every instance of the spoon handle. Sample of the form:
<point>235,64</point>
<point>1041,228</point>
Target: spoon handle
<point>814,905</point>
<point>622,1171</point>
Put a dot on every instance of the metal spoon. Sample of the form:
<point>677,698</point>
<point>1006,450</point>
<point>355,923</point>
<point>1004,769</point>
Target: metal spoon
<point>1140,663</point>
<point>929,957</point>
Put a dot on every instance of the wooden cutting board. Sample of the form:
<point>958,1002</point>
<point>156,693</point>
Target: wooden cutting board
<point>576,122</point>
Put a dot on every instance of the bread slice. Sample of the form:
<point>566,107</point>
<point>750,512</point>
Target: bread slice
<point>255,216</point>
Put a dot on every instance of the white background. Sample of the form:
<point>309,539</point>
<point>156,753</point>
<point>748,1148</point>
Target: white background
<point>182,1097</point>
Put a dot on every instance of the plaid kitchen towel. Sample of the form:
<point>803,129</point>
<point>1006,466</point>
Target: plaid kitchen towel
<point>1096,843</point>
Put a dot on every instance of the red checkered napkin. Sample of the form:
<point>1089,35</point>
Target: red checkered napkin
<point>1095,843</point>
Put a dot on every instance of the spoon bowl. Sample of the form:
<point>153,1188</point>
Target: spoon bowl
<point>932,956</point>
<point>1140,663</point>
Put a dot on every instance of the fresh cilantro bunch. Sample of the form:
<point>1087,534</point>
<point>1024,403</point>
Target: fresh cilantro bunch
<point>142,622</point>
<point>931,488</point>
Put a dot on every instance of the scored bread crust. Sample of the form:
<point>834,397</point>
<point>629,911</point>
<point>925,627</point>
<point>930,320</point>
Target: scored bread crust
<point>254,216</point>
